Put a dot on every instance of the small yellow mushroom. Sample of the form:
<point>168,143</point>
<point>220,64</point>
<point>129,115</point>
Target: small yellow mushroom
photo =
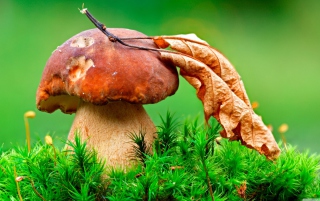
<point>29,114</point>
<point>283,128</point>
<point>48,140</point>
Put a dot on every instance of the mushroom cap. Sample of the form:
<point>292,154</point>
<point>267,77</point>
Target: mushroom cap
<point>90,67</point>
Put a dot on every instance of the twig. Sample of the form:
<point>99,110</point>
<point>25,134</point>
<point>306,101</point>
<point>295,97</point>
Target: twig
<point>169,37</point>
<point>111,37</point>
<point>114,38</point>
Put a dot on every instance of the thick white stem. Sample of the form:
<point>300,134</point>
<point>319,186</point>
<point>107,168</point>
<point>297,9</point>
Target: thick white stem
<point>107,127</point>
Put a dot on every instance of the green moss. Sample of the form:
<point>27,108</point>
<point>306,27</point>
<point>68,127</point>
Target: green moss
<point>186,164</point>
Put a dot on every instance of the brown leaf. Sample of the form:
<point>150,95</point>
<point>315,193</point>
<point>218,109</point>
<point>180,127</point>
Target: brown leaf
<point>200,50</point>
<point>242,189</point>
<point>236,117</point>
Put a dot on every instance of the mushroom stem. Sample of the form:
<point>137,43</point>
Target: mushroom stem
<point>106,129</point>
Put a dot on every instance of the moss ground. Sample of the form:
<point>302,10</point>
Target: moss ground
<point>188,162</point>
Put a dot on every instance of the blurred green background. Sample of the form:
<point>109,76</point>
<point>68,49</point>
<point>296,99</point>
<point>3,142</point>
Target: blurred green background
<point>274,45</point>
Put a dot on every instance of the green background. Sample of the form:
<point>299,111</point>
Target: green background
<point>274,45</point>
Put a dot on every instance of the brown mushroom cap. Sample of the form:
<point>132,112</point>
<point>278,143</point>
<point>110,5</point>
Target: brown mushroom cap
<point>90,67</point>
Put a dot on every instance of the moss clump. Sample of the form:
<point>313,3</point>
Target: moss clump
<point>186,163</point>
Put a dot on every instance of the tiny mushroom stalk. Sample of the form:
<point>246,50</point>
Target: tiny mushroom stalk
<point>106,84</point>
<point>29,114</point>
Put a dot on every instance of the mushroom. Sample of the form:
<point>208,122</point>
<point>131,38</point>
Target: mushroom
<point>106,84</point>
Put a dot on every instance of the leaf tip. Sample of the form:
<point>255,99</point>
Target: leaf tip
<point>272,153</point>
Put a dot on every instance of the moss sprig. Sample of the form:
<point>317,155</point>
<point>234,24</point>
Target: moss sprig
<point>186,163</point>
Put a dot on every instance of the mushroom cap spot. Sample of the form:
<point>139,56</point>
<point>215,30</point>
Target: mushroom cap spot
<point>104,71</point>
<point>82,42</point>
<point>78,67</point>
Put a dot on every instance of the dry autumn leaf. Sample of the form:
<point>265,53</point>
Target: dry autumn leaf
<point>221,91</point>
<point>191,45</point>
